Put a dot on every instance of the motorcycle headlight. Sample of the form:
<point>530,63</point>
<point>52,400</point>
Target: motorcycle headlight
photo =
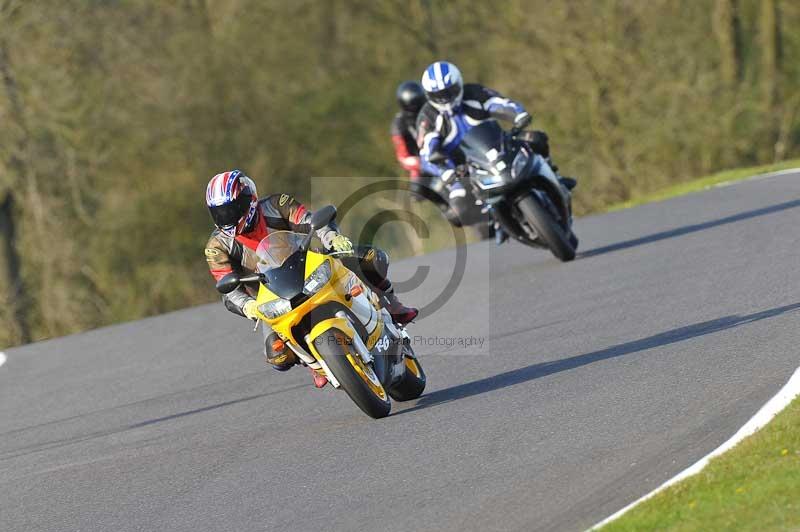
<point>318,278</point>
<point>487,179</point>
<point>520,164</point>
<point>491,180</point>
<point>275,308</point>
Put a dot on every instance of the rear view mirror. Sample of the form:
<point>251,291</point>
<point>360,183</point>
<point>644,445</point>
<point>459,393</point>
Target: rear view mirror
<point>323,217</point>
<point>228,284</point>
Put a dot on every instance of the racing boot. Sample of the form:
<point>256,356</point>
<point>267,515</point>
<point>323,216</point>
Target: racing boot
<point>375,277</point>
<point>500,235</point>
<point>401,314</point>
<point>319,380</point>
<point>568,182</point>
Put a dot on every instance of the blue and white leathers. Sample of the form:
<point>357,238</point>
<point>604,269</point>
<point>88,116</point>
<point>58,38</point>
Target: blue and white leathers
<point>442,131</point>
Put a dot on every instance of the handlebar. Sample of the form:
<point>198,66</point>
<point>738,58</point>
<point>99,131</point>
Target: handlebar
<point>255,277</point>
<point>340,253</point>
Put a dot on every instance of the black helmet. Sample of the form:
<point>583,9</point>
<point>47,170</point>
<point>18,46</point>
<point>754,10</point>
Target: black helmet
<point>410,96</point>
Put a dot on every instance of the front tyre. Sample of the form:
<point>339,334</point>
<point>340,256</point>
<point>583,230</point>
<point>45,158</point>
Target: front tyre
<point>357,379</point>
<point>413,382</point>
<point>546,227</point>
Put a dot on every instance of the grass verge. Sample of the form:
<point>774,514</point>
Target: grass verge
<point>705,182</point>
<point>754,486</point>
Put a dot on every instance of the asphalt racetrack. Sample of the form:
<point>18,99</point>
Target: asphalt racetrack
<point>557,393</point>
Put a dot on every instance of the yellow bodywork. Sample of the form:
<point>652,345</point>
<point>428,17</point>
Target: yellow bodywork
<point>335,290</point>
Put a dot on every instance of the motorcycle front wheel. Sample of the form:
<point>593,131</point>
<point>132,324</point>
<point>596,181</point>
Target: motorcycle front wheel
<point>357,379</point>
<point>549,231</point>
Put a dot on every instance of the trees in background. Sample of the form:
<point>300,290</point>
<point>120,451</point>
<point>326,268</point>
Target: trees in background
<point>115,114</point>
<point>728,30</point>
<point>16,313</point>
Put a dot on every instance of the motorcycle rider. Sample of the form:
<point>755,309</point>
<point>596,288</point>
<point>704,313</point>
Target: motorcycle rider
<point>453,108</point>
<point>242,220</point>
<point>410,99</point>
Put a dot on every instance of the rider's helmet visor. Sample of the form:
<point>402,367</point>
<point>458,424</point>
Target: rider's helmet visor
<point>447,95</point>
<point>229,214</point>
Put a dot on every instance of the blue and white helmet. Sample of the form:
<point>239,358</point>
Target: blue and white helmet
<point>443,85</point>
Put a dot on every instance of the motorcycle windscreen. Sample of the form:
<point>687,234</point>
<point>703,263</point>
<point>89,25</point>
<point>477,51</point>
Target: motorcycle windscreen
<point>483,144</point>
<point>282,262</point>
<point>287,280</point>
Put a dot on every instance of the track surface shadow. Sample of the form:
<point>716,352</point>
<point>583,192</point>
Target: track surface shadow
<point>14,453</point>
<point>536,371</point>
<point>680,231</point>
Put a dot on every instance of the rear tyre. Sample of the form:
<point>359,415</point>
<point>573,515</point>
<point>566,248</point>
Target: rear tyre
<point>413,382</point>
<point>573,240</point>
<point>452,217</point>
<point>358,380</point>
<point>552,234</point>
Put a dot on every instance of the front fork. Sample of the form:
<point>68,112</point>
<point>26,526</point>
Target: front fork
<point>501,214</point>
<point>388,367</point>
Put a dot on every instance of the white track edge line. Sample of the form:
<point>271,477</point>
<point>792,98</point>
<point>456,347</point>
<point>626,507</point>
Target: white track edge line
<point>3,358</point>
<point>778,402</point>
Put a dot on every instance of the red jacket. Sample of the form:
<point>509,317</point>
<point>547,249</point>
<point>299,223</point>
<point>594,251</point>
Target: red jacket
<point>404,138</point>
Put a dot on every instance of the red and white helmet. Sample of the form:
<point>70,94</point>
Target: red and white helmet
<point>232,200</point>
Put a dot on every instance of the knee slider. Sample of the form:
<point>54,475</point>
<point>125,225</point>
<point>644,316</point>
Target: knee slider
<point>281,359</point>
<point>378,261</point>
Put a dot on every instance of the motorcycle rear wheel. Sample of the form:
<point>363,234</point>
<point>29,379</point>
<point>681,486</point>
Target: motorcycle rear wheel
<point>357,379</point>
<point>549,231</point>
<point>413,382</point>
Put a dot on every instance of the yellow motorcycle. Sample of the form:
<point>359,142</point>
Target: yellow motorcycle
<point>332,321</point>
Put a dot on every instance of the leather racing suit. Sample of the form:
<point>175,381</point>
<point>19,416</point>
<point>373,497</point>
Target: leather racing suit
<point>281,212</point>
